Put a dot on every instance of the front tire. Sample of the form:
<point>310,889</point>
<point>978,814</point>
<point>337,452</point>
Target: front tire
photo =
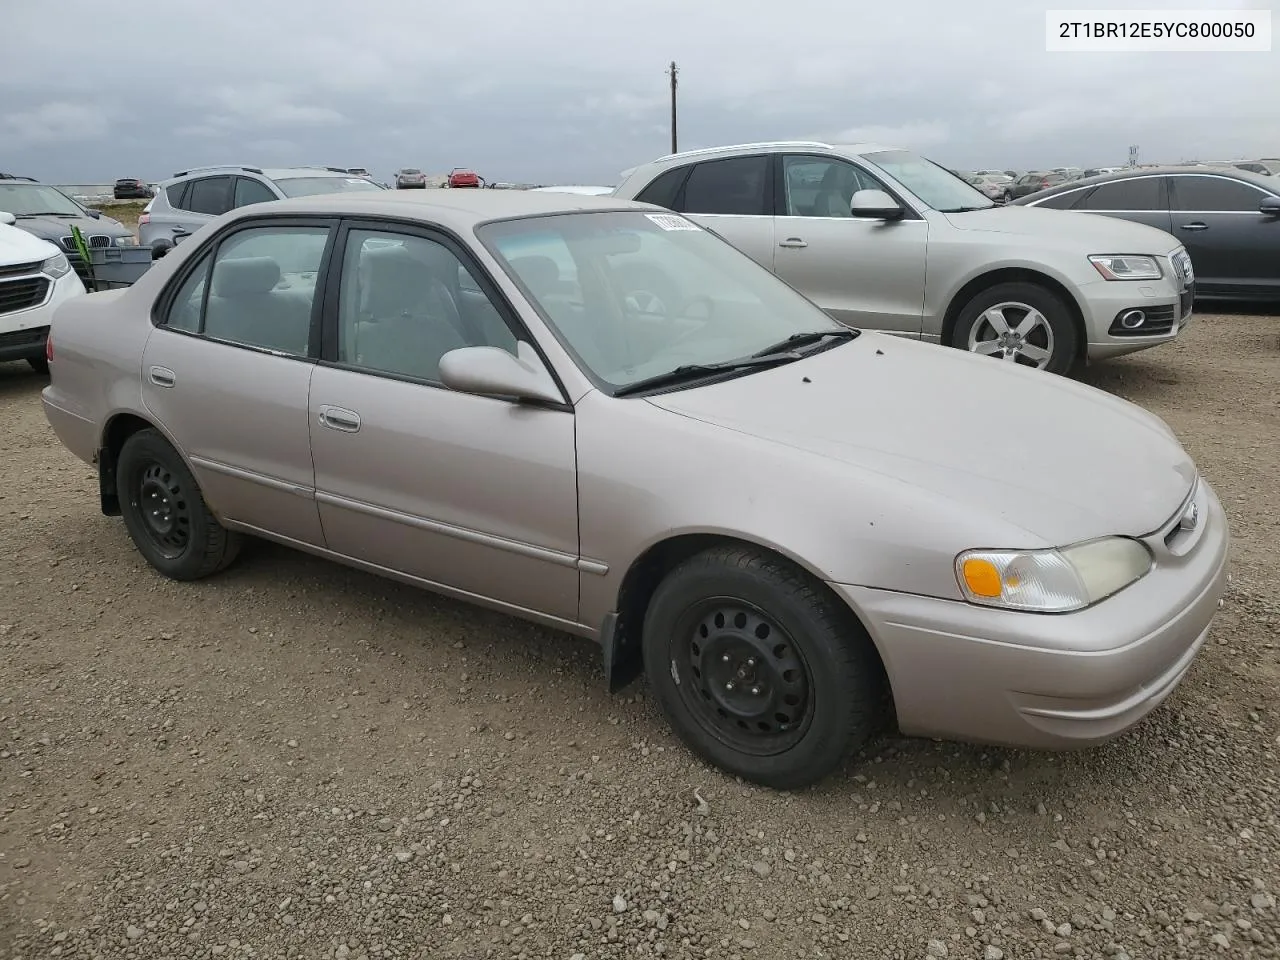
<point>1020,323</point>
<point>165,512</point>
<point>759,669</point>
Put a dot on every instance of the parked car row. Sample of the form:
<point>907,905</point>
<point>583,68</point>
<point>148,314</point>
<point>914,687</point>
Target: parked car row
<point>977,550</point>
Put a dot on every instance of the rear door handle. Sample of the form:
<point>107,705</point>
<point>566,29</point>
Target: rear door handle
<point>793,242</point>
<point>1194,226</point>
<point>339,418</point>
<point>163,376</point>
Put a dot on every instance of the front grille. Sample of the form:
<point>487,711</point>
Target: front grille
<point>1155,321</point>
<point>1186,301</point>
<point>17,269</point>
<point>18,295</point>
<point>94,240</point>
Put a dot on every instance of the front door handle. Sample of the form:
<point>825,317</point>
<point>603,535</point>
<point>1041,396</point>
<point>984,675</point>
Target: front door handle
<point>793,242</point>
<point>1194,226</point>
<point>339,418</point>
<point>162,376</point>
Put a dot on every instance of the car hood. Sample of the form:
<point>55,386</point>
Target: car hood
<point>18,246</point>
<point>1062,461</point>
<point>1101,234</point>
<point>54,228</point>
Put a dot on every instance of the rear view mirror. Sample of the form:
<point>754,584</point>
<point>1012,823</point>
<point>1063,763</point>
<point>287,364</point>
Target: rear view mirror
<point>1270,206</point>
<point>8,219</point>
<point>615,244</point>
<point>493,372</point>
<point>875,205</point>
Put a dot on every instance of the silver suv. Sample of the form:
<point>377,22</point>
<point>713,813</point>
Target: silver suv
<point>193,197</point>
<point>883,239</point>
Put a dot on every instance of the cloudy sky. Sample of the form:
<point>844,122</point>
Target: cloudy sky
<point>563,91</point>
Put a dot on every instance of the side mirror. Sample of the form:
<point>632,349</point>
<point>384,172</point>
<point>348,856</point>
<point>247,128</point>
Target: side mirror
<point>90,212</point>
<point>8,219</point>
<point>1270,206</point>
<point>875,205</point>
<point>492,371</point>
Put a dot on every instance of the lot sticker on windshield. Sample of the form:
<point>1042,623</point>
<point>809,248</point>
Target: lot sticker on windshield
<point>669,221</point>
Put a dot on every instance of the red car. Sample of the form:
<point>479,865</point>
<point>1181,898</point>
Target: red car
<point>461,177</point>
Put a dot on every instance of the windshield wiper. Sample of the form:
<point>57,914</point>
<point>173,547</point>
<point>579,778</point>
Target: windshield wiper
<point>966,209</point>
<point>805,339</point>
<point>698,371</point>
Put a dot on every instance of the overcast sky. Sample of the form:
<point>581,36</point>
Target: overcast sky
<point>556,91</point>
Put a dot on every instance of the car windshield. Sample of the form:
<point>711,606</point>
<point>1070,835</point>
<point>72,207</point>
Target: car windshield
<point>637,295</point>
<point>31,199</point>
<point>313,186</point>
<point>934,185</point>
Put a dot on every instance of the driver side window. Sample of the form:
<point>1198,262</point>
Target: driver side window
<point>822,186</point>
<point>406,301</point>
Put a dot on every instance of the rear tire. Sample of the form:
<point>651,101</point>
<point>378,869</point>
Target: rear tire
<point>760,670</point>
<point>165,512</point>
<point>1021,323</point>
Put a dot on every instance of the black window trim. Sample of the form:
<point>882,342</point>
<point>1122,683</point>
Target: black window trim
<point>328,347</point>
<point>770,175</point>
<point>210,249</point>
<point>780,187</point>
<point>182,186</point>
<point>1173,192</point>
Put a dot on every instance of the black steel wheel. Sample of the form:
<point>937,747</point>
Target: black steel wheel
<point>760,669</point>
<point>748,683</point>
<point>165,512</point>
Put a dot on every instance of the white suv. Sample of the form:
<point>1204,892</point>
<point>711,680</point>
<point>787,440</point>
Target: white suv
<point>35,277</point>
<point>883,239</point>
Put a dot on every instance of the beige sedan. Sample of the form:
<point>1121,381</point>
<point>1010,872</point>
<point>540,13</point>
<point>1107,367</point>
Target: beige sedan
<point>597,415</point>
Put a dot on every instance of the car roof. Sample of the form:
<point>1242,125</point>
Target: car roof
<point>1230,172</point>
<point>458,209</point>
<point>770,146</point>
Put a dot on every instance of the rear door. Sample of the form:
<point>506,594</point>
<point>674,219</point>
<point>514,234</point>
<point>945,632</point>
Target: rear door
<point>734,197</point>
<point>204,199</point>
<point>227,370</point>
<point>1235,249</point>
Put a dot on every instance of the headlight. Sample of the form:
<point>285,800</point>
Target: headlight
<point>1052,581</point>
<point>56,266</point>
<point>1126,267</point>
<point>129,241</point>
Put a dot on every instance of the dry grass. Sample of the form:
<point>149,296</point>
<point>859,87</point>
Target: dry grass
<point>126,211</point>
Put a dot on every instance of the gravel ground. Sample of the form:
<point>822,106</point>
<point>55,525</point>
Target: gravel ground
<point>298,760</point>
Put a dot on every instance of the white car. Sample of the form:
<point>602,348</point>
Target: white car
<point>35,278</point>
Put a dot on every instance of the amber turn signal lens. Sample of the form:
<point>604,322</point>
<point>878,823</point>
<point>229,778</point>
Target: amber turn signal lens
<point>982,577</point>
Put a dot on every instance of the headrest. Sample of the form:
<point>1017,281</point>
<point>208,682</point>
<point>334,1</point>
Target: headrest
<point>238,276</point>
<point>539,272</point>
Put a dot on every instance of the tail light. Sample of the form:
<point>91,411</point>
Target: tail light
<point>144,219</point>
<point>48,348</point>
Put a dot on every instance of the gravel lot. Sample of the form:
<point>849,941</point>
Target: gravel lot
<point>298,760</point>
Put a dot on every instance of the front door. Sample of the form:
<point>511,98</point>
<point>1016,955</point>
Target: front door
<point>227,372</point>
<point>866,273</point>
<point>473,494</point>
<point>1234,248</point>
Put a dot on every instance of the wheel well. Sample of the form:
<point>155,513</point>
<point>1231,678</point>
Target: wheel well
<point>1012,275</point>
<point>642,579</point>
<point>119,429</point>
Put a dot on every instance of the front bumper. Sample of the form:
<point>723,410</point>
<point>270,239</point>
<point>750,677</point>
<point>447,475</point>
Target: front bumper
<point>963,672</point>
<point>1167,303</point>
<point>23,332</point>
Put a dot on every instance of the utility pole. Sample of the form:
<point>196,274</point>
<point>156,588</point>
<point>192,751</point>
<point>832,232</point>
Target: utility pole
<point>673,71</point>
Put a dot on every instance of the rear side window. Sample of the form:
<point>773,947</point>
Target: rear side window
<point>1141,193</point>
<point>251,191</point>
<point>211,196</point>
<point>737,186</point>
<point>663,190</point>
<point>177,195</point>
<point>1064,201</point>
